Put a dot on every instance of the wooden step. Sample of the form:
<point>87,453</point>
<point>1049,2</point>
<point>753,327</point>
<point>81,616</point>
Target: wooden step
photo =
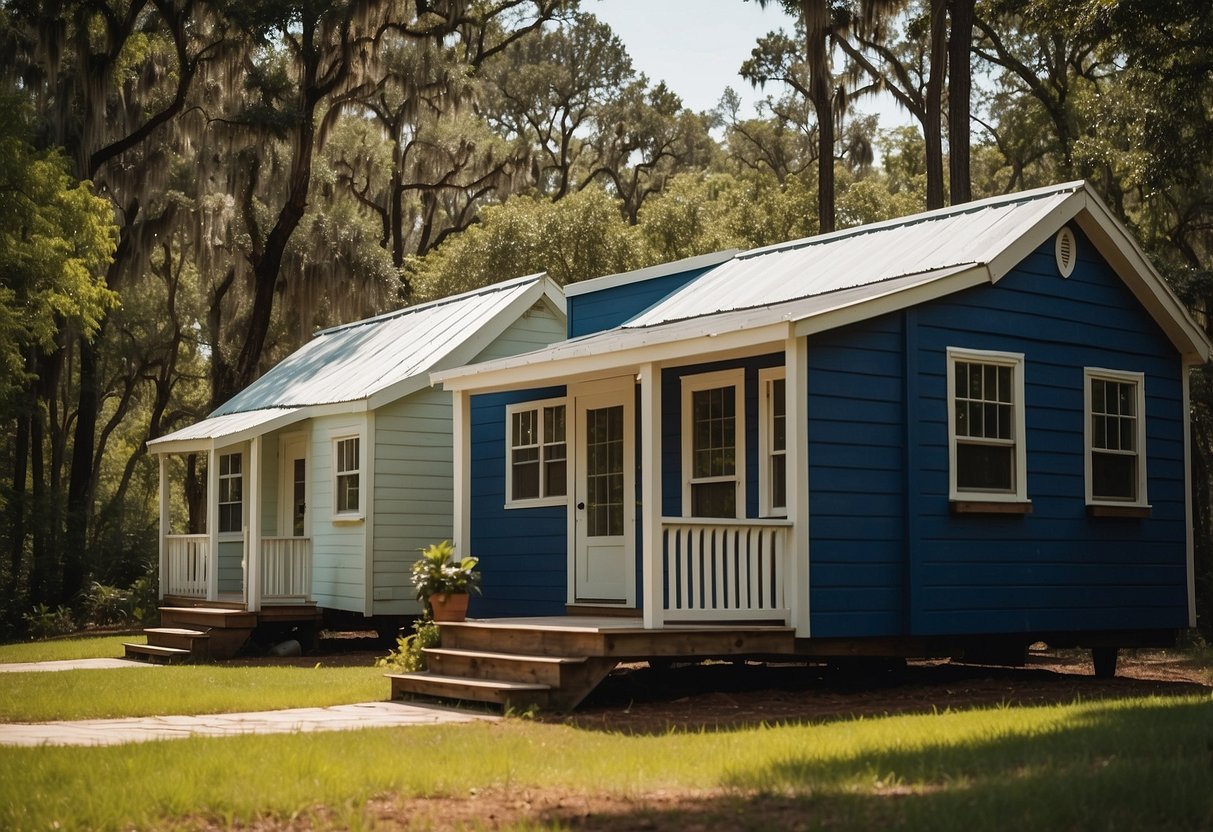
<point>156,654</point>
<point>196,641</point>
<point>207,617</point>
<point>509,667</point>
<point>496,636</point>
<point>517,695</point>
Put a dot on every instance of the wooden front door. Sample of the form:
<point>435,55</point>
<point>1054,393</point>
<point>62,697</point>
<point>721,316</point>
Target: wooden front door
<point>292,500</point>
<point>604,499</point>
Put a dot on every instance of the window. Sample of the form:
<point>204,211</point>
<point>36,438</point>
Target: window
<point>773,440</point>
<point>347,466</point>
<point>536,453</point>
<point>1115,437</point>
<point>713,446</point>
<point>987,457</point>
<point>231,493</point>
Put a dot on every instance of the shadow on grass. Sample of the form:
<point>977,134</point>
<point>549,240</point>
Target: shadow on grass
<point>697,697</point>
<point>1115,767</point>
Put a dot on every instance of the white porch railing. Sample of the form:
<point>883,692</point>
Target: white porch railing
<point>286,569</point>
<point>189,565</point>
<point>718,570</point>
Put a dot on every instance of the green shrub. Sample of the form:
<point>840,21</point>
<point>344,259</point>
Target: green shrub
<point>44,621</point>
<point>107,604</point>
<point>145,596</point>
<point>407,657</point>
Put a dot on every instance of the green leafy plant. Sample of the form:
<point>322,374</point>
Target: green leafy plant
<point>107,604</point>
<point>438,573</point>
<point>44,621</point>
<point>408,656</point>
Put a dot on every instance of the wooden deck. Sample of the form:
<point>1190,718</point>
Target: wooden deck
<point>554,662</point>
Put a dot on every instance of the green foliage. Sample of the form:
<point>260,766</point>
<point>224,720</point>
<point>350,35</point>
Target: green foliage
<point>408,656</point>
<point>105,605</point>
<point>438,573</point>
<point>44,621</point>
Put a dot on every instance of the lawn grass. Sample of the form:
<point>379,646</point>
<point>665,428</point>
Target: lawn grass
<point>182,689</point>
<point>1127,764</point>
<point>88,647</point>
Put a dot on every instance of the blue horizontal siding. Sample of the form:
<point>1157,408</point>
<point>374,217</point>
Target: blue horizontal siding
<point>608,308</point>
<point>522,551</point>
<point>1056,568</point>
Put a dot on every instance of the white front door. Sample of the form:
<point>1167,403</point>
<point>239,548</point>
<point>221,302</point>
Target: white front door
<point>292,488</point>
<point>604,498</point>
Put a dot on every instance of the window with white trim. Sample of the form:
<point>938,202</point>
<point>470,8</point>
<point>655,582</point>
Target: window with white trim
<point>536,437</point>
<point>1115,434</point>
<point>987,457</point>
<point>231,493</point>
<point>713,444</point>
<point>773,441</point>
<point>347,472</point>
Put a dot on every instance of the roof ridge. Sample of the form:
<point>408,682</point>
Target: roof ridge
<point>433,304</point>
<point>913,219</point>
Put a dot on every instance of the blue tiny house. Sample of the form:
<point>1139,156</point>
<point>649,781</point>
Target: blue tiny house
<point>965,424</point>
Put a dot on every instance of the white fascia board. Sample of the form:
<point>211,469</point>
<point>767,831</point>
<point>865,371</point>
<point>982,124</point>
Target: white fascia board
<point>628,352</point>
<point>687,264</point>
<point>477,342</point>
<point>1137,272</point>
<point>900,296</point>
<point>288,417</point>
<point>1041,231</point>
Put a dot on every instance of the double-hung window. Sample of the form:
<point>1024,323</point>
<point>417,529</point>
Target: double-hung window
<point>231,493</point>
<point>536,453</point>
<point>773,441</point>
<point>713,447</point>
<point>987,456</point>
<point>347,469</point>
<point>1115,433</point>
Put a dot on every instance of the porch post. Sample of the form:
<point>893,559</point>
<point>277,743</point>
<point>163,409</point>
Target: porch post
<point>652,552</point>
<point>252,555</point>
<point>462,458</point>
<point>796,357</point>
<point>164,525</point>
<point>212,524</point>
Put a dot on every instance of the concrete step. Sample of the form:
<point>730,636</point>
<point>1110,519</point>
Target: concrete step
<point>156,654</point>
<point>517,695</point>
<point>510,667</point>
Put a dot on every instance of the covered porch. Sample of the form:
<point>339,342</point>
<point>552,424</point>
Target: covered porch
<point>245,541</point>
<point>718,536</point>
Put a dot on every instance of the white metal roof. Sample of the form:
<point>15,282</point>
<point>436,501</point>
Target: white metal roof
<point>371,361</point>
<point>821,282</point>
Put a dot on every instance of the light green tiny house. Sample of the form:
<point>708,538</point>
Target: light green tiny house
<point>329,472</point>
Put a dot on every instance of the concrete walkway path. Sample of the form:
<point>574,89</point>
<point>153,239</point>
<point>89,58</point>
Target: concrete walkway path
<point>295,720</point>
<point>72,664</point>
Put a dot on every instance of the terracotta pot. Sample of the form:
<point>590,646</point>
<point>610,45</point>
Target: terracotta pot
<point>449,606</point>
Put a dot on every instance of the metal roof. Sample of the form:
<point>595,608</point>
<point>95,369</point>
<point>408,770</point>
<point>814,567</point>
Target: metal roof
<point>355,361</point>
<point>821,282</point>
<point>971,234</point>
<point>225,427</point>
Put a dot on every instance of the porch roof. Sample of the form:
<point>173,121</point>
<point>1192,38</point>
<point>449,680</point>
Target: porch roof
<point>812,285</point>
<point>221,431</point>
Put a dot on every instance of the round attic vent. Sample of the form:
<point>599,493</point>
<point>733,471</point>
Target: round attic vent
<point>1067,252</point>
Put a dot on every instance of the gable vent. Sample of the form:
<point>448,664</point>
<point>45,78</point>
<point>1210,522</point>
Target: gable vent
<point>1067,252</point>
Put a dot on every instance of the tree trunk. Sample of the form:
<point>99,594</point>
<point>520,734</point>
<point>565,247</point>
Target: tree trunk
<point>16,506</point>
<point>816,14</point>
<point>933,127</point>
<point>960,73</point>
<point>82,471</point>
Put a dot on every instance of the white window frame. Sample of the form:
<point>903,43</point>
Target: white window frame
<point>1138,380</point>
<point>229,534</point>
<point>766,439</point>
<point>1014,360</point>
<point>541,500</point>
<point>337,473</point>
<point>691,384</point>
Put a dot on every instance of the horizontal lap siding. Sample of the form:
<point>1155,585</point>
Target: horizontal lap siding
<point>538,327</point>
<point>338,550</point>
<point>608,308</point>
<point>523,551</point>
<point>856,454</point>
<point>1057,568</point>
<point>413,492</point>
<point>231,566</point>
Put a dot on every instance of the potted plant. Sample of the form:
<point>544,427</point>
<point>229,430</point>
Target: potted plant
<point>443,583</point>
